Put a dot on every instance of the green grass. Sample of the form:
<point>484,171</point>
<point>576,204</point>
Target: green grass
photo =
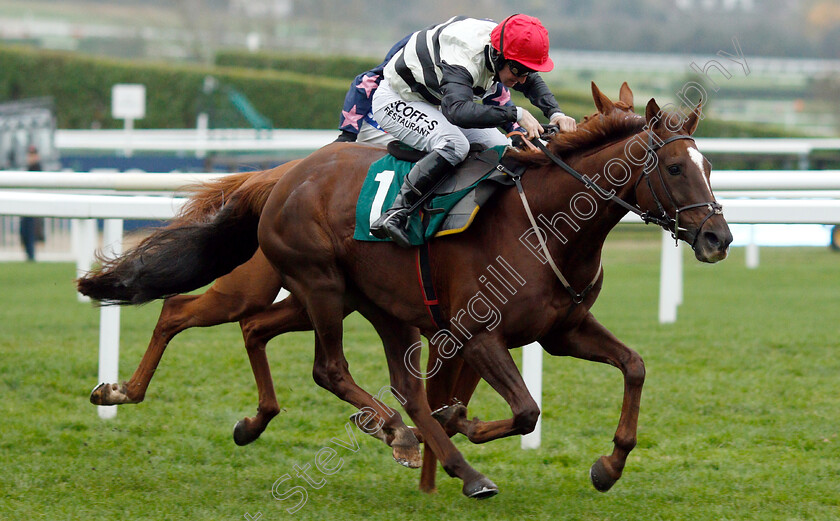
<point>739,413</point>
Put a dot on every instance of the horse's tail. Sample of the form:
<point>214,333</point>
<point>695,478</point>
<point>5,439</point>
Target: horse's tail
<point>205,199</point>
<point>188,253</point>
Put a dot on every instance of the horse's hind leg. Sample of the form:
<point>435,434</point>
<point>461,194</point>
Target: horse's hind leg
<point>249,288</point>
<point>282,317</point>
<point>592,341</point>
<point>330,370</point>
<point>178,313</point>
<point>403,439</point>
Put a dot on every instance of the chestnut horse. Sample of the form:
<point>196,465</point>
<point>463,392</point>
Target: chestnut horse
<point>306,232</point>
<point>247,295</point>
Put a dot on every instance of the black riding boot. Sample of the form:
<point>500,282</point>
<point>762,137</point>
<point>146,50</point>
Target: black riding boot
<point>423,177</point>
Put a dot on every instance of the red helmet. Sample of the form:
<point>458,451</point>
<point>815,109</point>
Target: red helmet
<point>523,39</point>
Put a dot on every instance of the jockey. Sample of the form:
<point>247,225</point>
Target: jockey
<point>426,98</point>
<point>356,122</point>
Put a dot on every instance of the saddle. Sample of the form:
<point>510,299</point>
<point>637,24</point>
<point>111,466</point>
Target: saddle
<point>454,203</point>
<point>468,172</point>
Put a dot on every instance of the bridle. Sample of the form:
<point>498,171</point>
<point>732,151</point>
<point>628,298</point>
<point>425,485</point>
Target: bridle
<point>663,219</point>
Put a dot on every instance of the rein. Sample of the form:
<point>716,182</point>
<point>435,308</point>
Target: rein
<point>663,219</point>
<point>646,217</point>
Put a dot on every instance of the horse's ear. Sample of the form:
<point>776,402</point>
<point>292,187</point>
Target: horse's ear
<point>602,103</point>
<point>652,113</point>
<point>626,95</point>
<point>693,120</point>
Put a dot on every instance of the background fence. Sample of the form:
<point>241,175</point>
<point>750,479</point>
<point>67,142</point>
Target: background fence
<point>753,197</point>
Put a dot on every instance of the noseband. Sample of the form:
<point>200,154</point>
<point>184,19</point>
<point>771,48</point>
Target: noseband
<point>663,219</point>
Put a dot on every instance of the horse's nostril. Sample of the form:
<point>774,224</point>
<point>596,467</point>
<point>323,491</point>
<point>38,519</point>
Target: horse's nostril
<point>712,239</point>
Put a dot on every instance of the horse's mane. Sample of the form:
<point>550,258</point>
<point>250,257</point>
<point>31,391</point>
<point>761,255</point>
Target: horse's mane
<point>593,132</point>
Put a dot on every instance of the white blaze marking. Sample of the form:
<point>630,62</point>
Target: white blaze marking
<point>698,158</point>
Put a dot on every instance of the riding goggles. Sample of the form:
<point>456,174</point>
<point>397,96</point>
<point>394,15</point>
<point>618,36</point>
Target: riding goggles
<point>518,70</point>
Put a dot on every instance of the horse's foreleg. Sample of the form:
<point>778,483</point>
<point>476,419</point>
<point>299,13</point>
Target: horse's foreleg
<point>592,341</point>
<point>438,394</point>
<point>399,340</point>
<point>454,382</point>
<point>282,317</point>
<point>178,313</point>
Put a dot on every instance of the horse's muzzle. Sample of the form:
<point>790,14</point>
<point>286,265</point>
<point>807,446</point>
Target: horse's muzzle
<point>711,242</point>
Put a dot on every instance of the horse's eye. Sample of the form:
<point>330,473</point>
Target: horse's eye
<point>674,170</point>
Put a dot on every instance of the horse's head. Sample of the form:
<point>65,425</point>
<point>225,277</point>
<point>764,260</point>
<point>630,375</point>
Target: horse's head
<point>675,185</point>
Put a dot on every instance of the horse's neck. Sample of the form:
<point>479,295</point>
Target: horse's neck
<point>583,212</point>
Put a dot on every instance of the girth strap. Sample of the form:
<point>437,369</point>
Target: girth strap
<point>427,284</point>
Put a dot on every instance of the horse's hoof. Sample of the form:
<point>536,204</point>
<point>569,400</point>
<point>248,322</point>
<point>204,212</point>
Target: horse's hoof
<point>481,488</point>
<point>406,448</point>
<point>370,424</point>
<point>109,394</point>
<point>97,396</point>
<point>241,436</point>
<point>448,417</point>
<point>600,475</point>
<point>408,456</point>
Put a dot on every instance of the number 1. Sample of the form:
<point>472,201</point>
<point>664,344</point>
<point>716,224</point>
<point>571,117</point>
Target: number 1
<point>384,179</point>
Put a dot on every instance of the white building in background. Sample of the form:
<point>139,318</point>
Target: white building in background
<point>24,123</point>
<point>746,6</point>
<point>262,8</point>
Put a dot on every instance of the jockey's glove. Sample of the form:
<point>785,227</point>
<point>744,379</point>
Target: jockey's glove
<point>563,122</point>
<point>346,137</point>
<point>529,123</point>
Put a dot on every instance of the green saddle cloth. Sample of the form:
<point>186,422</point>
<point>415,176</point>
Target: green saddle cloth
<point>382,184</point>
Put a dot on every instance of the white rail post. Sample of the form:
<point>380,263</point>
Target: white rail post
<point>752,256</point>
<point>202,125</point>
<point>109,321</point>
<point>532,356</point>
<point>678,276</point>
<point>670,280</point>
<point>83,237</point>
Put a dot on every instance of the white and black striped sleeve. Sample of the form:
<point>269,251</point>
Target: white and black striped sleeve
<point>458,106</point>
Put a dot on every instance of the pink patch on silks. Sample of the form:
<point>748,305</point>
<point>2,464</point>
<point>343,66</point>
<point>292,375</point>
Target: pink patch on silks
<point>368,84</point>
<point>502,98</point>
<point>351,117</point>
